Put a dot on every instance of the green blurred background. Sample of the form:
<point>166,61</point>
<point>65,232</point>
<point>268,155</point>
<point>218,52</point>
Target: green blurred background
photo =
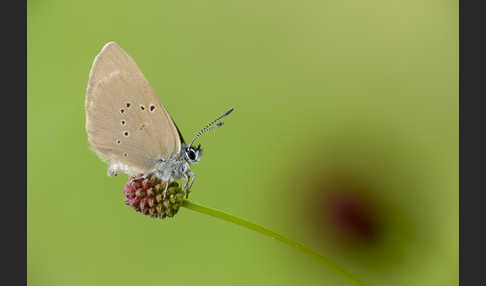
<point>344,137</point>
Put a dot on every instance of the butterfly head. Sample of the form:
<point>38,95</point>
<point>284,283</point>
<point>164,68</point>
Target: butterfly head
<point>193,154</point>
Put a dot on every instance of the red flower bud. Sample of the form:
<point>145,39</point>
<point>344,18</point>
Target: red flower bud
<point>145,195</point>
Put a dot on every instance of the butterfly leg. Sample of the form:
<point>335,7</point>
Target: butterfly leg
<point>165,189</point>
<point>186,180</point>
<point>141,176</point>
<point>192,176</point>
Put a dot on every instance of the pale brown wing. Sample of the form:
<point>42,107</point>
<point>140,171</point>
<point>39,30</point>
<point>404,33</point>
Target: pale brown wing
<point>125,121</point>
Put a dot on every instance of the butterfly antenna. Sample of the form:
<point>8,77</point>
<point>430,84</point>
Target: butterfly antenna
<point>210,125</point>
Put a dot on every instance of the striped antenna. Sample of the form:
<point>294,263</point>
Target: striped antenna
<point>210,125</point>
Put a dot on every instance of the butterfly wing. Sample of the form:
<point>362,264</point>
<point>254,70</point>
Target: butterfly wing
<point>125,121</point>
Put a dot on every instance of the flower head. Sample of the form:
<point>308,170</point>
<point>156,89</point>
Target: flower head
<point>146,196</point>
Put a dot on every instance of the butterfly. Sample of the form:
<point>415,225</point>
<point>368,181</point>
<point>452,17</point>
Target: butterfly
<point>129,128</point>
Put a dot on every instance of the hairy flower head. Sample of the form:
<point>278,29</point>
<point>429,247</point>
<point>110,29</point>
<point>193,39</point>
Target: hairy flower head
<point>146,196</point>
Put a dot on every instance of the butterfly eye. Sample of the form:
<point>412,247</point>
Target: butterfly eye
<point>192,155</point>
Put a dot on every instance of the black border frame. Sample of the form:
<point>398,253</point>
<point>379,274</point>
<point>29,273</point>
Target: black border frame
<point>471,143</point>
<point>14,142</point>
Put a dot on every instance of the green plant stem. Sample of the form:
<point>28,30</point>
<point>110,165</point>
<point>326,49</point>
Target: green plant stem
<point>265,231</point>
